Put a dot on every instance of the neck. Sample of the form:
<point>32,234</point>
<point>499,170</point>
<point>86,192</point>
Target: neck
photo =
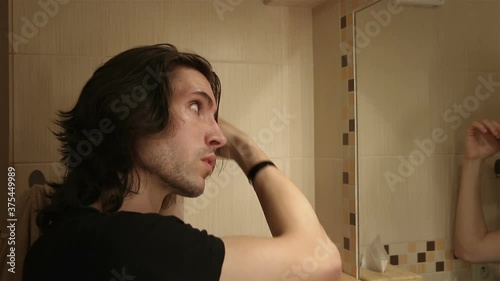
<point>152,197</point>
<point>165,204</point>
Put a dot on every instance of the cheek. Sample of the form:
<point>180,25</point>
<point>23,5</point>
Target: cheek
<point>179,144</point>
<point>144,149</point>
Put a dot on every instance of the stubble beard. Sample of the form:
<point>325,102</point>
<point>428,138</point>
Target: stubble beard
<point>178,176</point>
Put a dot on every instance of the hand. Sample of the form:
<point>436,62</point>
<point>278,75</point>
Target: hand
<point>482,139</point>
<point>239,147</point>
<point>228,151</point>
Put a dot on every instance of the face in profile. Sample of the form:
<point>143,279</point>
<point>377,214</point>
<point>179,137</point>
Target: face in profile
<point>181,157</point>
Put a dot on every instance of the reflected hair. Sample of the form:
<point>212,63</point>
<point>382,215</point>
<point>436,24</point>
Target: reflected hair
<point>126,99</point>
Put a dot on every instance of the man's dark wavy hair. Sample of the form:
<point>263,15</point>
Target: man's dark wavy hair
<point>126,99</point>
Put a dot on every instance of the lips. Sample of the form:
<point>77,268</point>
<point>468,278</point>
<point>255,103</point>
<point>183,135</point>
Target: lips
<point>210,160</point>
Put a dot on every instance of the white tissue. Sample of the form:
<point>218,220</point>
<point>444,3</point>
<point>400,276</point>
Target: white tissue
<point>375,257</point>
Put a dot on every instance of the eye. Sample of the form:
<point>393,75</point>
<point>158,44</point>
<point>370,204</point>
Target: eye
<point>195,106</point>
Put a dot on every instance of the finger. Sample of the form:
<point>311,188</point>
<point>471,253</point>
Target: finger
<point>492,126</point>
<point>477,126</point>
<point>496,124</point>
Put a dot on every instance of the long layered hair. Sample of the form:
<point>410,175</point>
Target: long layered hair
<point>127,98</point>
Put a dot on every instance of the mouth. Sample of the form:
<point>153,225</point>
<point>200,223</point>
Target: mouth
<point>210,160</point>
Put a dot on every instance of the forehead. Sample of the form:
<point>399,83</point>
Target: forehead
<point>186,80</point>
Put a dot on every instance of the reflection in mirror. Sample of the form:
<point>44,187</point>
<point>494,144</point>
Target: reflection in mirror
<point>422,75</point>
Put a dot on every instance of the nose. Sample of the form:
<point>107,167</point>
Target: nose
<point>215,136</point>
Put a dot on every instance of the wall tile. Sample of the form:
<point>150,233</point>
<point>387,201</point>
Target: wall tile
<point>299,102</point>
<point>253,98</point>
<point>328,196</point>
<point>224,37</point>
<point>301,173</point>
<point>327,83</point>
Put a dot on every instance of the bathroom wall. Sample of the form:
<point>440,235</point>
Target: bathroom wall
<point>329,102</point>
<point>417,76</point>
<point>262,54</point>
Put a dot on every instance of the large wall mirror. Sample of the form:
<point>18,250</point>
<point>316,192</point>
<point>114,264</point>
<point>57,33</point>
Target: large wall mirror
<point>422,75</point>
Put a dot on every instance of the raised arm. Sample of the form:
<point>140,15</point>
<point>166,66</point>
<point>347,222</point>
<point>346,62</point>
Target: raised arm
<point>473,241</point>
<point>299,249</point>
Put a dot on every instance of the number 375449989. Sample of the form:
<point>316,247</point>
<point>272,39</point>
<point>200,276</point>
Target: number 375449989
<point>11,187</point>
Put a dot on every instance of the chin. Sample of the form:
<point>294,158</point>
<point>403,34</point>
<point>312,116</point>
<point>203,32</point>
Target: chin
<point>195,192</point>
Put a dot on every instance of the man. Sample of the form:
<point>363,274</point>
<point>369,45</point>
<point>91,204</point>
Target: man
<point>473,242</point>
<point>157,137</point>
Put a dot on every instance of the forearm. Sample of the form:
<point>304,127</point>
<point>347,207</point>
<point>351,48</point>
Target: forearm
<point>287,210</point>
<point>295,227</point>
<point>470,226</point>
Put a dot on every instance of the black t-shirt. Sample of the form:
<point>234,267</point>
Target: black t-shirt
<point>124,246</point>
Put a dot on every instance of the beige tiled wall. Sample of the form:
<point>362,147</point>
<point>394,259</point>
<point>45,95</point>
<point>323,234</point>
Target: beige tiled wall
<point>328,123</point>
<point>411,78</point>
<point>327,84</point>
<point>262,54</point>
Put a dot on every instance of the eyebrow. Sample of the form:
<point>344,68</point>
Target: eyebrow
<point>205,96</point>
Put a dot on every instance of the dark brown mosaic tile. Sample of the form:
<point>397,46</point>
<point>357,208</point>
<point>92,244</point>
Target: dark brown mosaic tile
<point>345,178</point>
<point>439,266</point>
<point>431,246</point>
<point>344,61</point>
<point>421,257</point>
<point>352,219</point>
<point>394,260</point>
<point>350,85</point>
<point>351,125</point>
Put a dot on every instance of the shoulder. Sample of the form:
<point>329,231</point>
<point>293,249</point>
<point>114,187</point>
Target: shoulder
<point>122,228</point>
<point>146,224</point>
<point>155,232</point>
<point>164,245</point>
<point>145,246</point>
